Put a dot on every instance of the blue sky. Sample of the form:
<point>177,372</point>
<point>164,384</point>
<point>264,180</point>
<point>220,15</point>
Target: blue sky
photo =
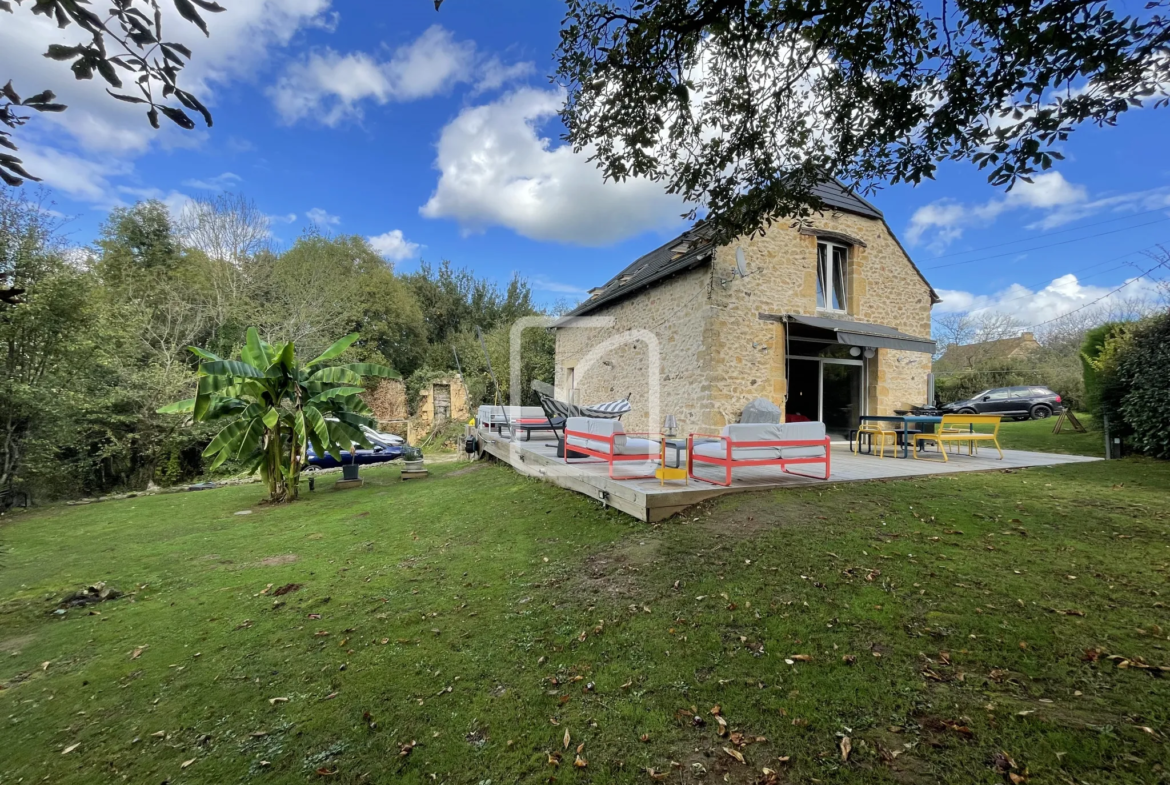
<point>435,135</point>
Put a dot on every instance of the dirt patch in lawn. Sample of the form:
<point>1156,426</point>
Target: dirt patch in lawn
<point>17,643</point>
<point>613,571</point>
<point>760,512</point>
<point>466,470</point>
<point>276,561</point>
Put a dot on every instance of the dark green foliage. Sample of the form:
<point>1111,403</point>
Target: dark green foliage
<point>743,108</point>
<point>125,42</point>
<point>1133,377</point>
<point>1091,349</point>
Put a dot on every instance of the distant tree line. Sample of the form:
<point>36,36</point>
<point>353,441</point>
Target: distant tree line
<point>97,342</point>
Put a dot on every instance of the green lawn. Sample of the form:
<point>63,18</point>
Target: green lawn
<point>1037,435</point>
<point>470,621</point>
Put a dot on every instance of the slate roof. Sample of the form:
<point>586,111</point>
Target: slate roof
<point>665,261</point>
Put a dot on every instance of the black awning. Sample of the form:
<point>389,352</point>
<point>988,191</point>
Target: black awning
<point>861,334</point>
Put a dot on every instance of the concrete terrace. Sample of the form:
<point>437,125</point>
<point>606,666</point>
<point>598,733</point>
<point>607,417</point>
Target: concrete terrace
<point>648,500</point>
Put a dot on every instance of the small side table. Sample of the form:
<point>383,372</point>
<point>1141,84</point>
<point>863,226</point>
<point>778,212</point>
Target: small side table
<point>666,471</point>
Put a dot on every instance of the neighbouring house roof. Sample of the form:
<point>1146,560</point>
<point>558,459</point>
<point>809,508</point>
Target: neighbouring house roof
<point>693,248</point>
<point>968,353</point>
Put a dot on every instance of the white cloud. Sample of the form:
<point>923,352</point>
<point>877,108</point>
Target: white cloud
<point>494,74</point>
<point>940,223</point>
<point>80,178</point>
<point>175,201</point>
<point>322,218</point>
<point>1062,295</point>
<point>330,87</point>
<point>282,219</point>
<point>498,169</point>
<point>394,246</point>
<point>221,182</point>
<point>545,284</point>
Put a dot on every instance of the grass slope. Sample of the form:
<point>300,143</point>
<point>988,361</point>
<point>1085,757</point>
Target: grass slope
<point>480,616</point>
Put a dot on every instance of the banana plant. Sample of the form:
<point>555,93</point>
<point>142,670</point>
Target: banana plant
<point>277,407</point>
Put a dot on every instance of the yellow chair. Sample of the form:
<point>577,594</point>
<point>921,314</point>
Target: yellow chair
<point>959,429</point>
<point>875,431</point>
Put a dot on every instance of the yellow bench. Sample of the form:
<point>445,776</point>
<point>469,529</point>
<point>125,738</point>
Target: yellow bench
<point>960,428</point>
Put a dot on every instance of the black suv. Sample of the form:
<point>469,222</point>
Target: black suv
<point>1015,402</point>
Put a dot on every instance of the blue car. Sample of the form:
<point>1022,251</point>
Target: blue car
<point>360,457</point>
<point>387,447</point>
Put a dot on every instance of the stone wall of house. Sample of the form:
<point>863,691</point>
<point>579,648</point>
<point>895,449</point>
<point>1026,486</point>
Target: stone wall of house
<point>717,354</point>
<point>607,366</point>
<point>883,288</point>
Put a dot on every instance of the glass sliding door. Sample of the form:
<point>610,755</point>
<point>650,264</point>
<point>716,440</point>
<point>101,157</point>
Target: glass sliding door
<point>841,401</point>
<point>827,388</point>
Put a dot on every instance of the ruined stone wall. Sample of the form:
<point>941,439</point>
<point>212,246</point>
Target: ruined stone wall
<point>388,400</point>
<point>675,311</point>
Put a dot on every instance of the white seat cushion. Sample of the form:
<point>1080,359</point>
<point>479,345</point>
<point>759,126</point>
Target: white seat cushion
<point>647,447</point>
<point>719,450</point>
<point>599,427</point>
<point>766,432</point>
<point>622,445</point>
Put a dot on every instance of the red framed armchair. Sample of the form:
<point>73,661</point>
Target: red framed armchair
<point>607,440</point>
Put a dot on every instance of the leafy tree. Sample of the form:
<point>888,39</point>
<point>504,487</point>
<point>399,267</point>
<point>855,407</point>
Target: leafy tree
<point>746,107</point>
<point>127,43</point>
<point>49,346</point>
<point>278,408</point>
<point>455,301</point>
<point>137,240</point>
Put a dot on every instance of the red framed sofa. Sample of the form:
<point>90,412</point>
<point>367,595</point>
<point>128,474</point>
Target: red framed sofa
<point>760,444</point>
<point>607,440</point>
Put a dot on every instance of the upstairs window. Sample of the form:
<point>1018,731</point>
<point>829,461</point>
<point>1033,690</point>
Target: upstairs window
<point>832,264</point>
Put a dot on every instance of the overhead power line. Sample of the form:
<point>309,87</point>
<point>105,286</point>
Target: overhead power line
<point>1074,228</point>
<point>1048,245</point>
<point>1102,297</point>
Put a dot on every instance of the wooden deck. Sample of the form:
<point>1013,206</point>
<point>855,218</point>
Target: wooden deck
<point>648,500</point>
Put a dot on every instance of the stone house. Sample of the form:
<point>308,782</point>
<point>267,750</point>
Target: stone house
<point>828,318</point>
<point>968,355</point>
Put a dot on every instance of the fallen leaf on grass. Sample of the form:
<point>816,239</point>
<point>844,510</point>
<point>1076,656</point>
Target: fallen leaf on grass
<point>275,701</point>
<point>846,748</point>
<point>406,749</point>
<point>580,762</point>
<point>657,776</point>
<point>645,737</point>
<point>722,725</point>
<point>735,754</point>
<point>801,657</point>
<point>187,763</point>
<point>70,748</point>
<point>324,772</point>
<point>138,652</point>
<point>962,730</point>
